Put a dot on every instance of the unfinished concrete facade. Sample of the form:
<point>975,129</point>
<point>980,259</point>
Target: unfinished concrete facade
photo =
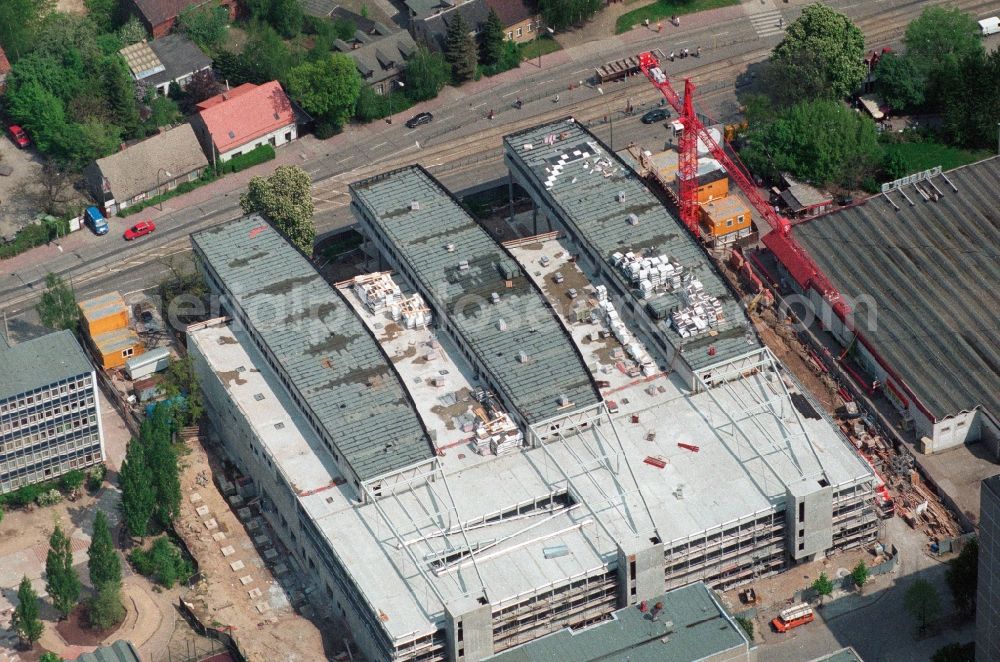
<point>434,550</point>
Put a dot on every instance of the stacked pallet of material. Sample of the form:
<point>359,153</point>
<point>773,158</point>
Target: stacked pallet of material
<point>658,273</point>
<point>376,290</point>
<point>700,313</point>
<point>415,313</point>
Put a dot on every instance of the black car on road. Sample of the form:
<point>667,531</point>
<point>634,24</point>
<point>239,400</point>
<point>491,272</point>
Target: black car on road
<point>654,116</point>
<point>418,119</point>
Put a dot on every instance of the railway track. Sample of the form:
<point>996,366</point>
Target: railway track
<point>484,148</point>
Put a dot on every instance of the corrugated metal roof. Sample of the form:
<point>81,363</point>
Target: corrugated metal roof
<point>104,305</point>
<point>326,352</point>
<point>39,362</point>
<point>120,651</point>
<point>587,198</point>
<point>933,270</point>
<point>692,626</point>
<point>420,237</point>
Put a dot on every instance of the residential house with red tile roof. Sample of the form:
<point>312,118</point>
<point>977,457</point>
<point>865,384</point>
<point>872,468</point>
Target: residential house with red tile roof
<point>159,16</point>
<point>243,118</point>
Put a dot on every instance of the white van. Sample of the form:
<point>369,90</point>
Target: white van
<point>990,25</point>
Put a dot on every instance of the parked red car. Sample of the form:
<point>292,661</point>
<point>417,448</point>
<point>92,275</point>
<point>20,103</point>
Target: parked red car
<point>140,229</point>
<point>18,135</point>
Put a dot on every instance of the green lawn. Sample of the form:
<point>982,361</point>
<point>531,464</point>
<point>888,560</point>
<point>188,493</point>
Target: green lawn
<point>664,9</point>
<point>543,45</point>
<point>923,156</point>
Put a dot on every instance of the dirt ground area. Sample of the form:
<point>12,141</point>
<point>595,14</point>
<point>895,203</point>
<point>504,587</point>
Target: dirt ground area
<point>71,6</point>
<point>17,205</point>
<point>242,590</point>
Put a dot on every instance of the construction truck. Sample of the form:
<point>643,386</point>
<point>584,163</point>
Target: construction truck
<point>793,617</point>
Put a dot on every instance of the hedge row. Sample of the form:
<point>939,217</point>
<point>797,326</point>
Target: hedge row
<point>256,156</point>
<point>34,234</point>
<point>185,187</point>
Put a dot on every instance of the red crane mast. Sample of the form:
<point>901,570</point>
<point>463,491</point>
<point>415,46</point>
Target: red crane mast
<point>799,264</point>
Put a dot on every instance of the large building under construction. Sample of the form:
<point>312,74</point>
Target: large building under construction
<point>475,450</point>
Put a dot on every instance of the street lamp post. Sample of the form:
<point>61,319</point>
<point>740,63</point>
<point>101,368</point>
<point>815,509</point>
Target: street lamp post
<point>550,32</point>
<point>169,176</point>
<point>401,86</point>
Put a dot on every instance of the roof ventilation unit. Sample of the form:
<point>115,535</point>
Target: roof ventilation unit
<point>633,219</point>
<point>501,324</point>
<point>494,297</point>
<point>522,357</point>
<point>414,205</point>
<point>463,265</point>
<point>450,248</point>
<point>564,400</point>
<point>621,196</point>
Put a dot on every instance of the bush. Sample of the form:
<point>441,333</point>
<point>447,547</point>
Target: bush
<point>163,563</point>
<point>256,156</point>
<point>105,609</point>
<point>49,498</point>
<point>72,481</point>
<point>185,187</point>
<point>31,235</point>
<point>23,496</point>
<point>95,477</point>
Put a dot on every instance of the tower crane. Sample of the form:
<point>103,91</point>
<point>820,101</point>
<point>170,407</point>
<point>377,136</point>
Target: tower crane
<point>779,240</point>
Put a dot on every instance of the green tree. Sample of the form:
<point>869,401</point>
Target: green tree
<point>25,619</point>
<point>105,13</point>
<point>157,435</point>
<point>265,57</point>
<point>41,113</point>
<point>942,32</point>
<point>561,14</point>
<point>328,89</point>
<point>61,580</point>
<point>163,111</point>
<point>163,562</point>
<point>962,577</point>
<point>138,490</point>
<point>955,653</point>
<point>831,42</point>
<point>860,574</point>
<point>922,602</point>
<point>899,82</point>
<point>57,308</point>
<point>491,47</point>
<point>131,32</point>
<point>19,19</point>
<point>972,114</point>
<point>284,198</point>
<point>49,656</point>
<point>426,74</point>
<point>180,379</point>
<point>823,142</point>
<point>286,17</point>
<point>823,586</point>
<point>460,49</point>
<point>119,91</point>
<point>205,24</point>
<point>103,563</point>
<point>105,609</point>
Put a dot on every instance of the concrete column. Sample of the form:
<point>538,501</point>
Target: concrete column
<point>640,567</point>
<point>469,629</point>
<point>510,196</point>
<point>534,217</point>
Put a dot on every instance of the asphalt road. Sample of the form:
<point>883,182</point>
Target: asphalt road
<point>462,146</point>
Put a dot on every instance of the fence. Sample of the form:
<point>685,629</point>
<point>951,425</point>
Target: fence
<point>846,583</point>
<point>227,640</point>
